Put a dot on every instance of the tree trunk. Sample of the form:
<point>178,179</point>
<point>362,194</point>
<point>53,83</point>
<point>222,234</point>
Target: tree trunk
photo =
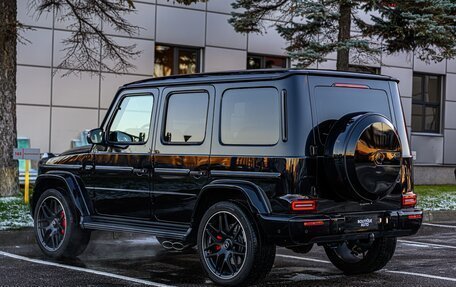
<point>9,180</point>
<point>343,55</point>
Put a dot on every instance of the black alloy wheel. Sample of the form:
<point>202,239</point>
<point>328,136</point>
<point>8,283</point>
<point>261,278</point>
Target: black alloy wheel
<point>224,245</point>
<point>350,252</point>
<point>360,256</point>
<point>57,229</point>
<point>233,251</point>
<point>51,223</point>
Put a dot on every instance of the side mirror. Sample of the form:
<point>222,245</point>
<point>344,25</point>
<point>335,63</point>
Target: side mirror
<point>120,138</point>
<point>95,136</point>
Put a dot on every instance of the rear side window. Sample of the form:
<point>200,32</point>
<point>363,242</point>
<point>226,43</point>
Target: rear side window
<point>186,118</point>
<point>250,117</point>
<point>333,103</point>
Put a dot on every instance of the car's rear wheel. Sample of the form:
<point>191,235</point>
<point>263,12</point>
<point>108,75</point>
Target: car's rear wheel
<point>56,227</point>
<point>232,250</point>
<point>358,257</point>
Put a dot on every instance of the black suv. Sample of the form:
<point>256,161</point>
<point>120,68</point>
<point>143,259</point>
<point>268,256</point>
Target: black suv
<point>236,163</point>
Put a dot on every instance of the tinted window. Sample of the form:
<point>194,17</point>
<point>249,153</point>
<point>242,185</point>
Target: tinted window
<point>186,118</point>
<point>265,62</point>
<point>131,122</point>
<point>171,60</point>
<point>333,103</point>
<point>427,92</point>
<point>250,116</point>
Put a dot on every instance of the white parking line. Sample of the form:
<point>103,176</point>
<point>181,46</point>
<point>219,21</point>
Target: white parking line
<point>422,275</point>
<point>439,225</point>
<point>121,277</point>
<point>384,270</point>
<point>425,243</point>
<point>302,258</point>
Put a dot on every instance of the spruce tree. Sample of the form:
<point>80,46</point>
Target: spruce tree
<point>315,28</point>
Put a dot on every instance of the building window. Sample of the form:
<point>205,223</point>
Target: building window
<point>173,60</point>
<point>364,69</point>
<point>250,117</point>
<point>186,118</point>
<point>426,102</point>
<point>265,62</point>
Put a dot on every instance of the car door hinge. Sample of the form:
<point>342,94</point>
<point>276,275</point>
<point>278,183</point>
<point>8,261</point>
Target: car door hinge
<point>313,190</point>
<point>313,150</point>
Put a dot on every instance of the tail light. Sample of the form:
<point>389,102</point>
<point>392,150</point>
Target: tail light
<point>415,216</point>
<point>408,199</point>
<point>304,205</point>
<point>314,223</point>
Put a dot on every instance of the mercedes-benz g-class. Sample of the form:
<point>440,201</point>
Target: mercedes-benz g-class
<point>236,163</point>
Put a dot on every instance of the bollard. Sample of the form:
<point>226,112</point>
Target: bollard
<point>27,181</point>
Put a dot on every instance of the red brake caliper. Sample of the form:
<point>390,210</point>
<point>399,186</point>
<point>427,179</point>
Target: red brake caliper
<point>217,247</point>
<point>62,215</point>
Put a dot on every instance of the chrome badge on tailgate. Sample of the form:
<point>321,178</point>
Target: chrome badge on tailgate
<point>361,223</point>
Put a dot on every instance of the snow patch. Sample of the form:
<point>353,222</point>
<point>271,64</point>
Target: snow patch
<point>14,214</point>
<point>435,203</point>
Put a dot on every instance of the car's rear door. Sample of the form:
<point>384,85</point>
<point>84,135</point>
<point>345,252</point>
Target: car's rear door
<point>182,149</point>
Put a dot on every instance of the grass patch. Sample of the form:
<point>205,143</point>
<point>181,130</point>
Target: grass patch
<point>14,214</point>
<point>436,197</point>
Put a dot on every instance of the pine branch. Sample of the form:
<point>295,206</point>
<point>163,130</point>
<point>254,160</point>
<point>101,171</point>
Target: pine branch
<point>89,48</point>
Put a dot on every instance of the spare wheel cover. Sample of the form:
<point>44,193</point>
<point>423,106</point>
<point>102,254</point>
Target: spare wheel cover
<point>368,152</point>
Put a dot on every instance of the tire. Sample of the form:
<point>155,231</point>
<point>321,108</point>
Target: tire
<point>375,257</point>
<point>55,214</point>
<point>224,244</point>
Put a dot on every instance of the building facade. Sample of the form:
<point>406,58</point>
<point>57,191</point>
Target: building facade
<point>52,110</point>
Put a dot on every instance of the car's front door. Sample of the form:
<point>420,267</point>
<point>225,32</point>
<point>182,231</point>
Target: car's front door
<point>121,179</point>
<point>182,148</point>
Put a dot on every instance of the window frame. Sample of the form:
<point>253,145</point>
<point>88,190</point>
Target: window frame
<point>165,115</point>
<point>281,110</point>
<point>114,113</point>
<point>263,60</point>
<point>176,49</point>
<point>425,104</point>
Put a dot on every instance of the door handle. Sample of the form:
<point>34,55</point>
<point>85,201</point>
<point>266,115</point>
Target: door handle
<point>88,167</point>
<point>140,171</point>
<point>197,173</point>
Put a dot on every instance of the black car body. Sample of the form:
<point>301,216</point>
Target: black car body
<point>313,156</point>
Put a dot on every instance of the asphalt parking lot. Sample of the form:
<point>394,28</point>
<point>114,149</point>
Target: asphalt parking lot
<point>426,259</point>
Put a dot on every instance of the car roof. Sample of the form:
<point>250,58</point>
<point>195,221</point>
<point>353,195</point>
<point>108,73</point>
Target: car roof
<point>249,75</point>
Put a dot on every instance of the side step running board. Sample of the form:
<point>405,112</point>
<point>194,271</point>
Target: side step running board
<point>163,230</point>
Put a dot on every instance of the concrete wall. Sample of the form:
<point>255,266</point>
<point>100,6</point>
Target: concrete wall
<point>434,175</point>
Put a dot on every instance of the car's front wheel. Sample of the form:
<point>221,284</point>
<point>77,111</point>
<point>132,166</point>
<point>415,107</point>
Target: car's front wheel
<point>56,226</point>
<point>358,257</point>
<point>231,248</point>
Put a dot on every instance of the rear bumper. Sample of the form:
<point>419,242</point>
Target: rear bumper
<point>288,230</point>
